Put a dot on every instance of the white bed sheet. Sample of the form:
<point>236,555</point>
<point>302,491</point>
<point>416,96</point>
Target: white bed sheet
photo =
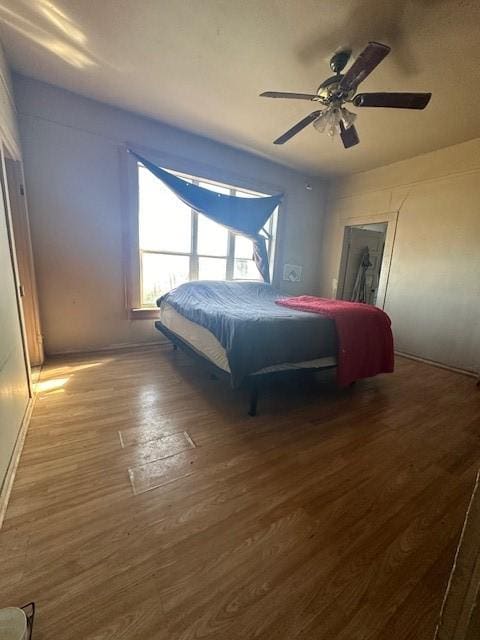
<point>205,343</point>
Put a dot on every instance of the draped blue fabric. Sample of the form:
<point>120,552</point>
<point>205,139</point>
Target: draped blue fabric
<point>242,215</point>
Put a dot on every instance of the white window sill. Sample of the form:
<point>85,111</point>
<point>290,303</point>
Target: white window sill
<point>145,313</point>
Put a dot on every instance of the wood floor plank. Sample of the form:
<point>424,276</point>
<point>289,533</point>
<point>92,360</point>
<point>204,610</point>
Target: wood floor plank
<point>332,514</point>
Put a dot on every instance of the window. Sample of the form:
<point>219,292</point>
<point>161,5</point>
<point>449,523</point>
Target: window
<point>178,244</point>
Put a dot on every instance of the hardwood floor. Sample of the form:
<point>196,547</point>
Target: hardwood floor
<point>332,514</point>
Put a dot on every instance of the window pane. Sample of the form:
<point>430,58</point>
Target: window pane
<point>244,194</point>
<point>212,238</point>
<point>214,187</point>
<point>164,221</point>
<point>245,270</point>
<point>243,247</point>
<point>244,267</point>
<point>212,268</point>
<point>160,273</point>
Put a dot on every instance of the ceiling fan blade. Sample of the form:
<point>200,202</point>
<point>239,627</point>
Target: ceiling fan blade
<point>296,128</point>
<point>349,136</point>
<point>286,94</point>
<point>363,66</point>
<point>393,100</point>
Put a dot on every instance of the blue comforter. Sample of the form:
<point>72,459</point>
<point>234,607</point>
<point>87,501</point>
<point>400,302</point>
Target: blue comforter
<point>254,331</point>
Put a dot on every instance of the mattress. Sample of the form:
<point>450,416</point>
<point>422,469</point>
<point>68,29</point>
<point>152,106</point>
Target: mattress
<point>255,331</point>
<point>207,345</point>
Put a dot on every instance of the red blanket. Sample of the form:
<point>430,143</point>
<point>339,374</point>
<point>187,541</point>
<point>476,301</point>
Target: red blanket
<point>365,342</point>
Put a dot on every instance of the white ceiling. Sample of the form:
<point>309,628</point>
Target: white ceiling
<point>200,65</point>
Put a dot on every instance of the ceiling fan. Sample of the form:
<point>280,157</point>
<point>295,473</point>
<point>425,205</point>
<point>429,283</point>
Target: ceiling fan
<point>336,91</point>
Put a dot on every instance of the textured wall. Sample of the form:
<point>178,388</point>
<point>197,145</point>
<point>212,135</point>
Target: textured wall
<point>71,154</point>
<point>433,293</point>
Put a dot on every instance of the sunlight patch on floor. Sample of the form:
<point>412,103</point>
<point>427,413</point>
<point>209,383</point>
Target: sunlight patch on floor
<point>46,386</point>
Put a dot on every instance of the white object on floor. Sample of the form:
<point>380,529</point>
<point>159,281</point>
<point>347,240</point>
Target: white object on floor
<point>13,624</point>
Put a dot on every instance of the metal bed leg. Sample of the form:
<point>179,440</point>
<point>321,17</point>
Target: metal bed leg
<point>252,411</point>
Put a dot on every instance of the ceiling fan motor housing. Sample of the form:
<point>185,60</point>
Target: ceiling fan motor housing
<point>329,91</point>
<point>339,60</point>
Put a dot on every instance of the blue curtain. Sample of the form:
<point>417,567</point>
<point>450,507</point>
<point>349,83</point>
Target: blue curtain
<point>242,215</point>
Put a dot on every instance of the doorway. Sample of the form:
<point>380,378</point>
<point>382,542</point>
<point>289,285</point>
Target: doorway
<point>361,262</point>
<point>13,185</point>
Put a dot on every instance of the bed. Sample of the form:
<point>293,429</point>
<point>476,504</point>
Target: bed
<point>238,330</point>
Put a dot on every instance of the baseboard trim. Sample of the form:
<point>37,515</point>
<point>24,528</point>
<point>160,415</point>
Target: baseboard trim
<point>15,459</point>
<point>433,363</point>
<point>112,347</point>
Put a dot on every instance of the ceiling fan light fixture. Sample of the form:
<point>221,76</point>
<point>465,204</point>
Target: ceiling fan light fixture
<point>321,122</point>
<point>328,121</point>
<point>334,117</point>
<point>348,117</point>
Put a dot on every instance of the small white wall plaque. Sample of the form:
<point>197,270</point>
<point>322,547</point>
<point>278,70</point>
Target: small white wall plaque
<point>292,272</point>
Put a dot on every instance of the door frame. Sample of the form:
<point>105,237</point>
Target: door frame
<point>17,201</point>
<point>391,218</point>
<point>13,255</point>
<point>6,485</point>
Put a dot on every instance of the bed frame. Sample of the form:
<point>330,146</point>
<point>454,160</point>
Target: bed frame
<point>253,382</point>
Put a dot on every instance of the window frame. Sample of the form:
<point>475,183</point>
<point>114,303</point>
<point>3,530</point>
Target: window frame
<point>130,193</point>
